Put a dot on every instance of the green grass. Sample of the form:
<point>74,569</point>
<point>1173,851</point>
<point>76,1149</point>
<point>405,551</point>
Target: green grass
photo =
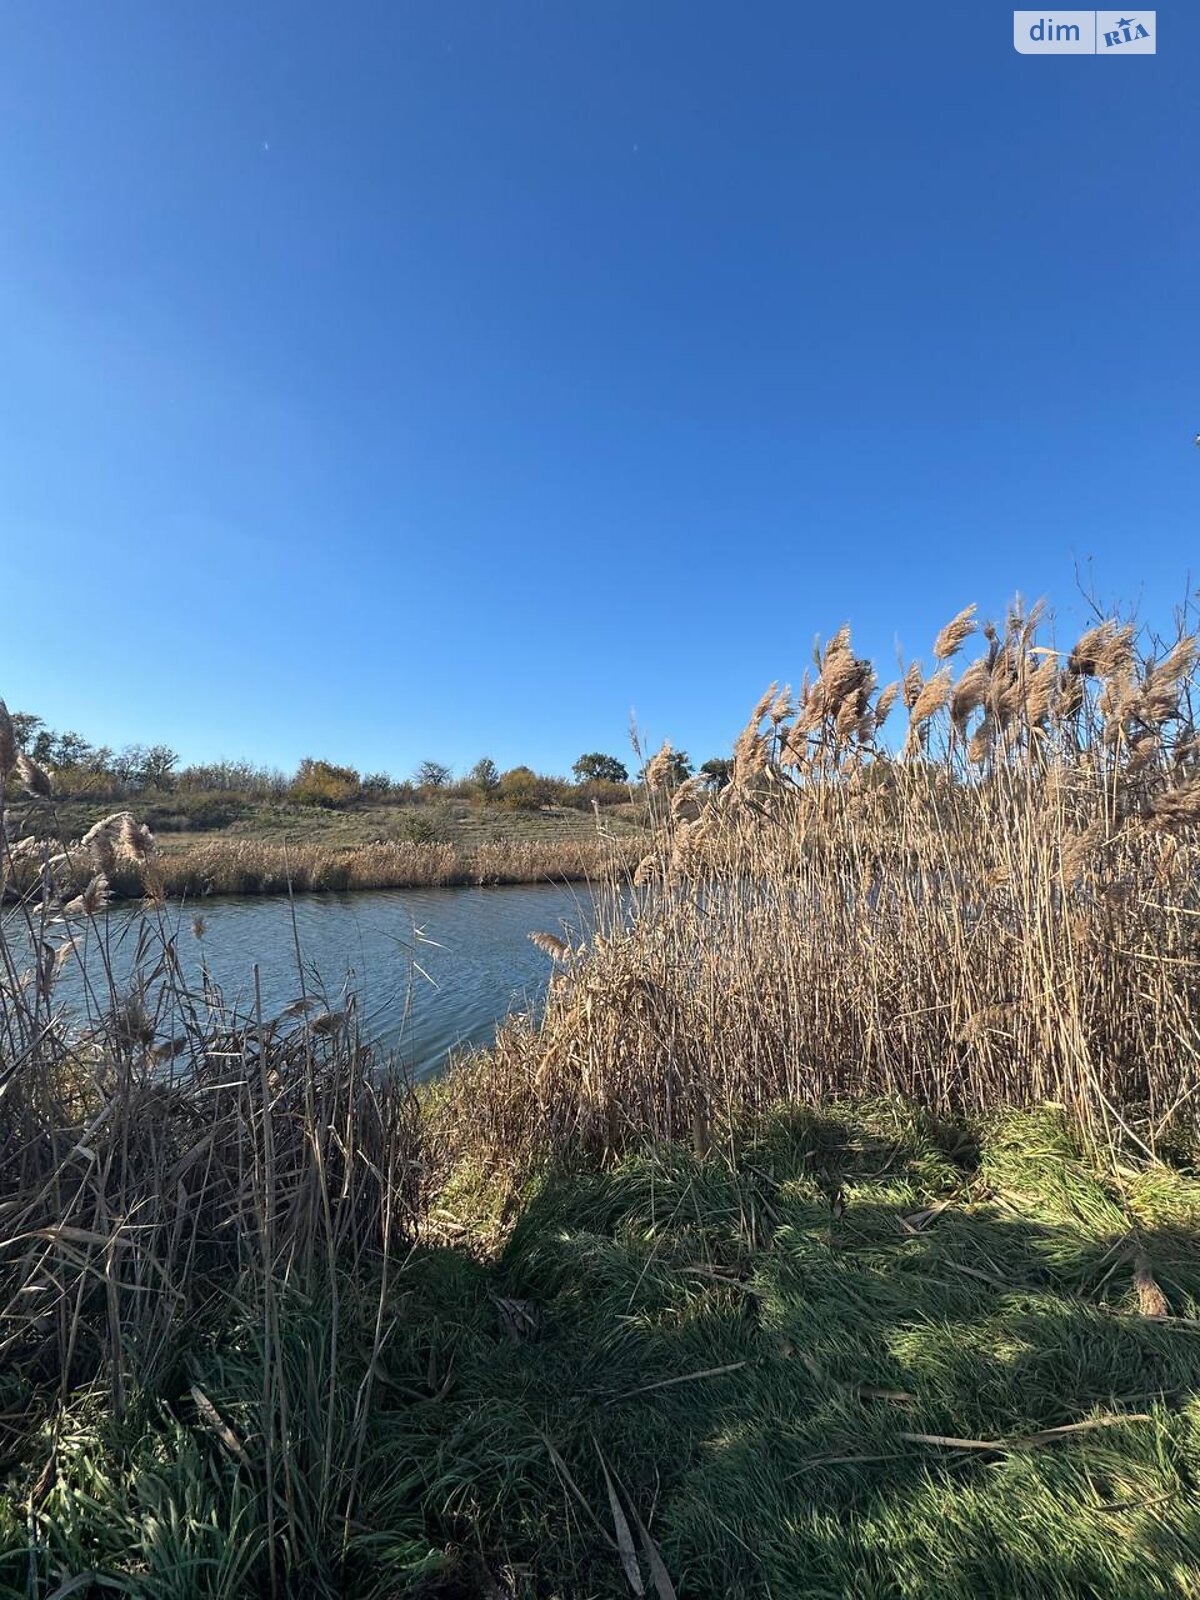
<point>264,849</point>
<point>463,822</point>
<point>864,1278</point>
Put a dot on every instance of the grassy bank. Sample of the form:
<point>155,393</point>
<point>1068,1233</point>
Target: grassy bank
<point>265,849</point>
<point>832,1231</point>
<point>183,818</point>
<point>860,1353</point>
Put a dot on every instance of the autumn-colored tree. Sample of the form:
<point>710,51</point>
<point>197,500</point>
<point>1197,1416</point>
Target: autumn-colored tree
<point>320,783</point>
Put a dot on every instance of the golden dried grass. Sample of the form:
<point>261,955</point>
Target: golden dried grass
<point>1009,915</point>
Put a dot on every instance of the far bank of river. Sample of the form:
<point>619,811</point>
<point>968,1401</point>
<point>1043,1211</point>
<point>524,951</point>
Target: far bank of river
<point>199,868</point>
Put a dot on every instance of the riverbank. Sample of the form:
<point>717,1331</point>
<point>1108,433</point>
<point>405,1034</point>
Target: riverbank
<point>860,1352</point>
<point>831,1229</point>
<point>274,849</point>
<point>240,866</point>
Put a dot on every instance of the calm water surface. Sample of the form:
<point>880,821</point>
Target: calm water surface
<point>434,969</point>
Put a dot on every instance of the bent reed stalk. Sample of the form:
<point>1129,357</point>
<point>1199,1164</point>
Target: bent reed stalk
<point>1004,911</point>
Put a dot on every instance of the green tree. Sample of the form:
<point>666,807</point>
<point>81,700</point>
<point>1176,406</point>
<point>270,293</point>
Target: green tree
<point>25,728</point>
<point>158,767</point>
<point>432,775</point>
<point>127,764</point>
<point>598,768</point>
<point>484,776</point>
<point>717,772</point>
<point>70,749</point>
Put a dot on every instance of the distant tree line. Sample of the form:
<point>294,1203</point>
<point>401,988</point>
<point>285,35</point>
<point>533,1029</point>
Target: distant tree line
<point>135,766</point>
<point>82,769</point>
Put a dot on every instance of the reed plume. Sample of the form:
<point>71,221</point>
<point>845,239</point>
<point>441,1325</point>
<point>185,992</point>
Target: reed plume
<point>935,692</point>
<point>1013,918</point>
<point>33,779</point>
<point>955,633</point>
<point>550,944</point>
<point>658,768</point>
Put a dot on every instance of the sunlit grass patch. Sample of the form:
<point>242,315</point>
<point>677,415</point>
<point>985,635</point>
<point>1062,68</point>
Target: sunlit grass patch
<point>844,1360</point>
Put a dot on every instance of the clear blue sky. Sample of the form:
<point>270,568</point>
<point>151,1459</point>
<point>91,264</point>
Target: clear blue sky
<point>383,381</point>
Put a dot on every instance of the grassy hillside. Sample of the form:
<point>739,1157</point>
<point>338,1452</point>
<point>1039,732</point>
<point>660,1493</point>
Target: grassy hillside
<point>220,844</point>
<point>179,819</point>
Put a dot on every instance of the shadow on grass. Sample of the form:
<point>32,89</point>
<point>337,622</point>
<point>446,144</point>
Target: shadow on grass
<point>765,1353</point>
<point>814,1367</point>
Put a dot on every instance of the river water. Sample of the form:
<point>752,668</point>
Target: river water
<point>434,970</point>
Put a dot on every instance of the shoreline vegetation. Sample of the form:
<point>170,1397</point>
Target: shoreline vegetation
<point>337,857</point>
<point>235,828</point>
<point>274,849</point>
<point>834,1228</point>
<point>253,867</point>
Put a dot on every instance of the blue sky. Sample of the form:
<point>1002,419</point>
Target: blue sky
<point>441,379</point>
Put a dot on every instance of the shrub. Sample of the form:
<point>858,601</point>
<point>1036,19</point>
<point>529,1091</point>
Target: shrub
<point>418,829</point>
<point>199,813</point>
<point>597,792</point>
<point>320,783</point>
<point>483,778</point>
<point>378,786</point>
<point>520,789</point>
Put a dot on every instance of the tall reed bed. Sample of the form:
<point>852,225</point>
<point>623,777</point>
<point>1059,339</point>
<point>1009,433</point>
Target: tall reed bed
<point>173,1171</point>
<point>249,866</point>
<point>998,906</point>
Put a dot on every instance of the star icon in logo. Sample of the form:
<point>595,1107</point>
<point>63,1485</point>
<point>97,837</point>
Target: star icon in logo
<point>1126,22</point>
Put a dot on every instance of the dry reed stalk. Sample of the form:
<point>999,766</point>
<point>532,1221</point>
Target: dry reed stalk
<point>969,693</point>
<point>8,746</point>
<point>245,866</point>
<point>912,685</point>
<point>92,901</point>
<point>781,707</point>
<point>1015,927</point>
<point>33,779</point>
<point>550,944</point>
<point>133,1155</point>
<point>1152,1302</point>
<point>935,692</point>
<point>1040,687</point>
<point>1177,809</point>
<point>885,702</point>
<point>136,839</point>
